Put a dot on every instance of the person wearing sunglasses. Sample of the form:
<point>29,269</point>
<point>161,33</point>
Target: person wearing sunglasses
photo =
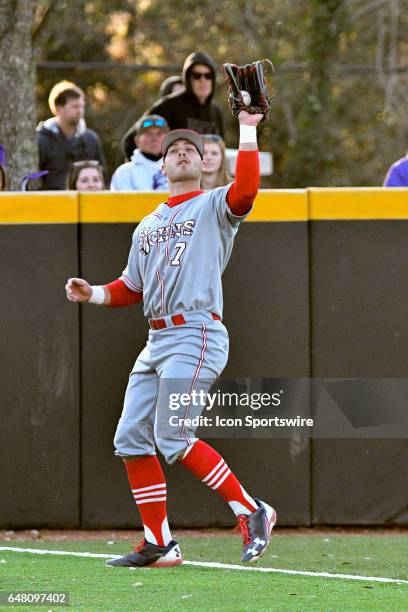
<point>86,175</point>
<point>143,171</point>
<point>192,108</point>
<point>214,170</point>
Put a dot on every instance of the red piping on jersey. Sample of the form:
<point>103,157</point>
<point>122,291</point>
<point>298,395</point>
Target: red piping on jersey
<point>174,200</point>
<point>183,433</point>
<point>121,295</point>
<point>161,281</point>
<point>243,190</point>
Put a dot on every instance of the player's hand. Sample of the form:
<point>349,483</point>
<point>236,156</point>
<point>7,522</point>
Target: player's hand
<point>78,290</point>
<point>245,118</point>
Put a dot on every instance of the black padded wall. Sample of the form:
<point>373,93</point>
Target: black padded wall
<point>39,352</point>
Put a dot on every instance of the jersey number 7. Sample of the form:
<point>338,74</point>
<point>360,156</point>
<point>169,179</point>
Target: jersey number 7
<point>180,248</point>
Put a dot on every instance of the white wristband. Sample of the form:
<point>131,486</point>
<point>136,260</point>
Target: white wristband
<point>247,133</point>
<point>98,295</point>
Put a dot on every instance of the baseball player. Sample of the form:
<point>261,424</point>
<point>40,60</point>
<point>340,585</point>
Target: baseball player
<point>177,257</point>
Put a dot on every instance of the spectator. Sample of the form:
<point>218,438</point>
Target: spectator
<point>64,138</point>
<point>214,172</point>
<point>193,107</point>
<point>143,171</point>
<point>397,175</point>
<point>86,175</point>
<point>173,84</point>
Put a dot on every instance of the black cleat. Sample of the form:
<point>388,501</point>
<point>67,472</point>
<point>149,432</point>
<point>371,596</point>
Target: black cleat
<point>256,530</point>
<point>147,554</point>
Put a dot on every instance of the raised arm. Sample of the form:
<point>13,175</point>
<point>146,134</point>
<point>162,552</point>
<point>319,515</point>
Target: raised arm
<point>243,191</point>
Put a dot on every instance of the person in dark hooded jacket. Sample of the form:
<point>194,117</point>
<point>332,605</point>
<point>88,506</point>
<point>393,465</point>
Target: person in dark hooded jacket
<point>192,108</point>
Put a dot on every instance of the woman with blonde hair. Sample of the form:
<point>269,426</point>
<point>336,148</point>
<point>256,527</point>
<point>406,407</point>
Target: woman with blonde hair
<point>86,175</point>
<point>214,173</point>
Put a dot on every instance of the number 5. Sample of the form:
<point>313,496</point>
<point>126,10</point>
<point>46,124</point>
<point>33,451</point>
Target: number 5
<point>180,248</point>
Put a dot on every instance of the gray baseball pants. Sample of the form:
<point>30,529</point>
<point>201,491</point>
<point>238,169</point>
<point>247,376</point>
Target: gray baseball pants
<point>175,361</point>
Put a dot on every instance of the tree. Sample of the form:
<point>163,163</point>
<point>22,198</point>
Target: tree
<point>24,26</point>
<point>17,87</point>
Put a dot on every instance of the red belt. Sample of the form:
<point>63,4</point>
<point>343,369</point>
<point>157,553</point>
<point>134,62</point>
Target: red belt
<point>177,319</point>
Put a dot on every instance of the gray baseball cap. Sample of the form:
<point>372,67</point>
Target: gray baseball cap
<point>190,135</point>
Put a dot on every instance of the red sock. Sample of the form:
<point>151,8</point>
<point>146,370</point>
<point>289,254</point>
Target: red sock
<point>148,486</point>
<point>208,465</point>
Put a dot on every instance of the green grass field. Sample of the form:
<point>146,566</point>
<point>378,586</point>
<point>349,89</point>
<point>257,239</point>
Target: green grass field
<point>92,586</point>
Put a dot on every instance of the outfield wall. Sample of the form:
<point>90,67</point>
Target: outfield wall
<point>316,286</point>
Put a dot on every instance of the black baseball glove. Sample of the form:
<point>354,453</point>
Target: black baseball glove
<point>250,78</point>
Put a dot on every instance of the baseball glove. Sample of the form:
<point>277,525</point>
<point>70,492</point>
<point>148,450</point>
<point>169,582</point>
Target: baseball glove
<point>249,78</point>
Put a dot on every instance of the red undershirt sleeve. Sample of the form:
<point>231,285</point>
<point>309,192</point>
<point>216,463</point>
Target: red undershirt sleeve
<point>122,295</point>
<point>243,190</point>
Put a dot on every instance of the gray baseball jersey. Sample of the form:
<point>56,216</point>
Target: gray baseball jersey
<point>179,253</point>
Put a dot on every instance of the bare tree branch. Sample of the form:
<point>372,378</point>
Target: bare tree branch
<point>42,22</point>
<point>249,26</point>
<point>379,53</point>
<point>42,29</point>
<point>392,52</point>
<point>287,111</point>
<point>369,7</point>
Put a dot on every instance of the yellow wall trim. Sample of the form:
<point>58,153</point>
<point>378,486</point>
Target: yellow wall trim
<point>271,205</point>
<point>35,207</point>
<point>358,203</point>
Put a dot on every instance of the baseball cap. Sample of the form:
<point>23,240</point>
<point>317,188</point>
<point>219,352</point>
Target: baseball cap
<point>190,135</point>
<point>147,121</point>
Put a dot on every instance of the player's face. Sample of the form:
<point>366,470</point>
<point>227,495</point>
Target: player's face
<point>201,81</point>
<point>89,179</point>
<point>150,140</point>
<point>212,157</point>
<point>183,162</point>
<point>72,111</point>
